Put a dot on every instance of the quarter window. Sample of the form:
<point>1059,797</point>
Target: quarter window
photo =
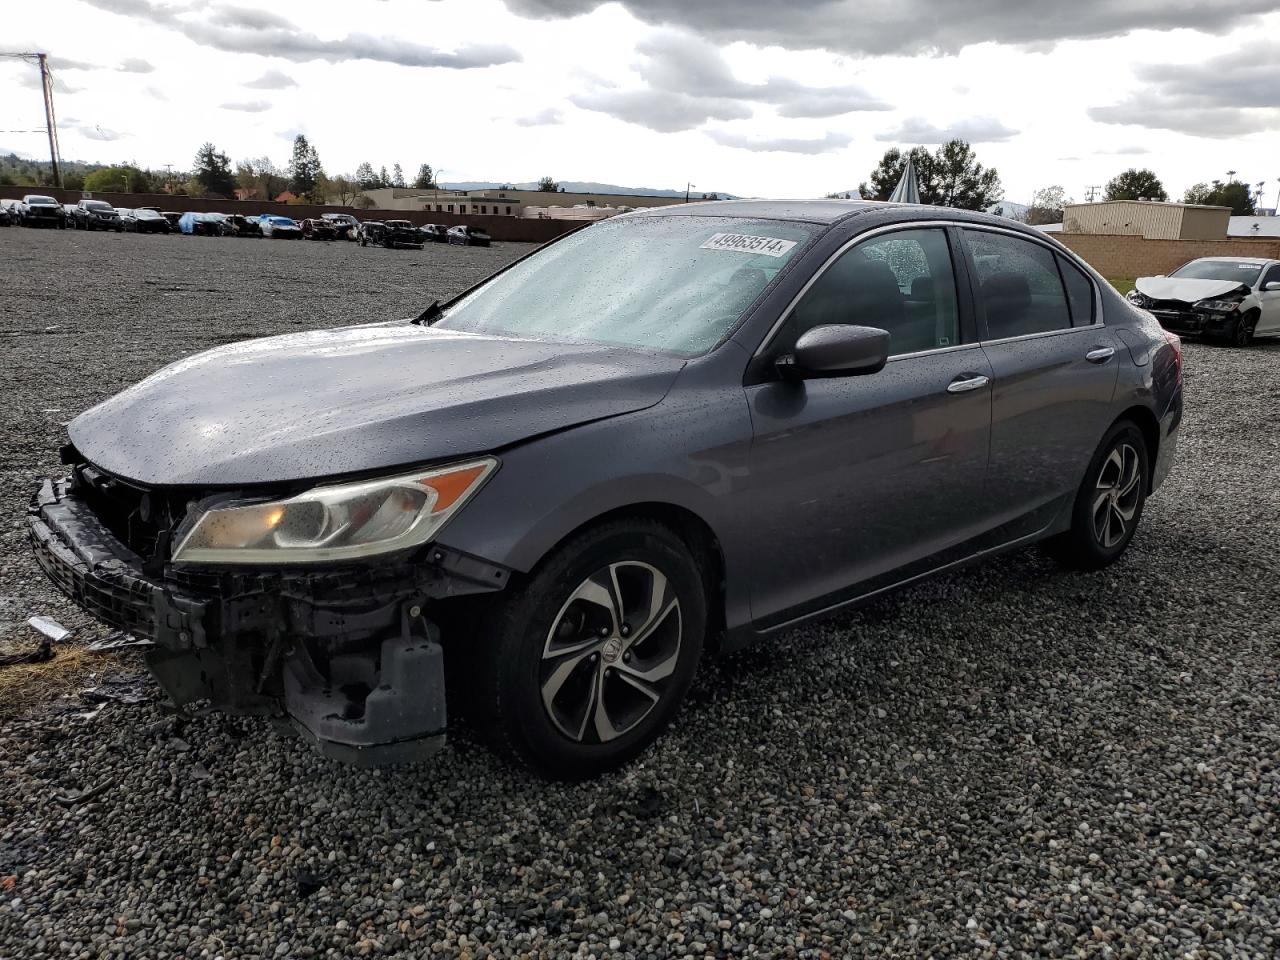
<point>1018,288</point>
<point>901,282</point>
<point>1079,293</point>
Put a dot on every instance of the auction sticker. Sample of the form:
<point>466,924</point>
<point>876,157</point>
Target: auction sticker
<point>746,243</point>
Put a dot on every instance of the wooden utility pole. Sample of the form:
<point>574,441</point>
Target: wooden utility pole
<point>50,121</point>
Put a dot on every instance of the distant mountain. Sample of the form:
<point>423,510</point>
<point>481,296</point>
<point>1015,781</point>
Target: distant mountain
<point>582,186</point>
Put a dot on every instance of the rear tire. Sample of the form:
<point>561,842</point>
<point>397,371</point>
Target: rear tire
<point>565,682</point>
<point>1109,503</point>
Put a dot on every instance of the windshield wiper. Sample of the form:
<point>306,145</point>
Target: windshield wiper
<point>429,315</point>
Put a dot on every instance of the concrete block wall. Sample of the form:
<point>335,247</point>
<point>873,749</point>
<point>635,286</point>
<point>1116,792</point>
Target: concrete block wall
<point>1117,255</point>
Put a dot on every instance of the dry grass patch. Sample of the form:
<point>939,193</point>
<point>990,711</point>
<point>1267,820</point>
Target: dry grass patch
<point>25,686</point>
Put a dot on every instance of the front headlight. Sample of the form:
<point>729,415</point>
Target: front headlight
<point>1138,299</point>
<point>1218,306</point>
<point>340,522</point>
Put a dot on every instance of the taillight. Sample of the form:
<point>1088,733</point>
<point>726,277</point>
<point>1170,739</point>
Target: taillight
<point>1175,341</point>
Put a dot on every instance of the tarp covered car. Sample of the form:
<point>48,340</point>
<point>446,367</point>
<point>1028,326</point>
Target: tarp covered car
<point>201,224</point>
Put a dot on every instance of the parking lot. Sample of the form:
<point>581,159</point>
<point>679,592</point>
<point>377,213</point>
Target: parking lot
<point>1008,760</point>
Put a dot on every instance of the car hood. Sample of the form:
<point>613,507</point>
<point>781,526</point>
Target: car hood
<point>1186,289</point>
<point>331,402</point>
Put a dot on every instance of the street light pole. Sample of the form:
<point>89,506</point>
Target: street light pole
<point>687,188</point>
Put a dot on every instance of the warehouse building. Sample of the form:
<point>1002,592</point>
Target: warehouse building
<point>1150,219</point>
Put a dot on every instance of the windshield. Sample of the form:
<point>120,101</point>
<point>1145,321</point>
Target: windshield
<point>97,205</point>
<point>41,201</point>
<point>676,284</point>
<point>1246,273</point>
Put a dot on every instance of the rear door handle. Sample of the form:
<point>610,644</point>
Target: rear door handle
<point>966,382</point>
<point>1100,355</point>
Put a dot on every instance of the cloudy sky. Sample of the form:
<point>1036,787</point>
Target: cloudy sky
<point>755,97</point>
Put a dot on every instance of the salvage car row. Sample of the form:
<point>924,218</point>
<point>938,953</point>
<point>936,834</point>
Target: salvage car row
<point>35,210</point>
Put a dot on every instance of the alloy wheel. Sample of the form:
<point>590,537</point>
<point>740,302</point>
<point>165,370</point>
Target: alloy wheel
<point>611,651</point>
<point>1243,332</point>
<point>1116,495</point>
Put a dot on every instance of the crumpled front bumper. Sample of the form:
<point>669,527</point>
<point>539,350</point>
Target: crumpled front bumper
<point>348,657</point>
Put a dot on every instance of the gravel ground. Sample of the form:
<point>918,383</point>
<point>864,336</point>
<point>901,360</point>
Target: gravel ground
<point>1008,761</point>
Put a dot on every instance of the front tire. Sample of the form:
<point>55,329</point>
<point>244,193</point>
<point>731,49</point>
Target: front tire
<point>1242,334</point>
<point>1109,503</point>
<point>583,667</point>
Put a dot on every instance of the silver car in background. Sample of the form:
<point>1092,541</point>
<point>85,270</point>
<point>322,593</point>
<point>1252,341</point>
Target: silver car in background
<point>661,437</point>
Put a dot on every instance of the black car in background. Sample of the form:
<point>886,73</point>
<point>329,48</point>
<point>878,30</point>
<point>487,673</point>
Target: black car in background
<point>8,216</point>
<point>392,234</point>
<point>345,226</point>
<point>242,226</point>
<point>316,228</point>
<point>172,217</point>
<point>96,215</point>
<point>144,220</point>
<point>469,236</point>
<point>41,211</point>
<point>434,232</point>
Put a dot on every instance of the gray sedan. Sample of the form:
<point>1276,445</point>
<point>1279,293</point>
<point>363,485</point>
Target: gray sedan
<point>660,438</point>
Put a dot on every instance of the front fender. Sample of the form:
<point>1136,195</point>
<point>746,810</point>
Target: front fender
<point>689,452</point>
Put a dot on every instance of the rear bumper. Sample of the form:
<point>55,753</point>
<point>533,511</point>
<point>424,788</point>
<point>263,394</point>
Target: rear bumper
<point>348,659</point>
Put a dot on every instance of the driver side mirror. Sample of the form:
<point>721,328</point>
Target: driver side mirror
<point>1270,286</point>
<point>836,350</point>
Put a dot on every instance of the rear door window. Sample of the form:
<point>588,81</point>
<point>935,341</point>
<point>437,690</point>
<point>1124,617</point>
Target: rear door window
<point>1017,285</point>
<point>1079,293</point>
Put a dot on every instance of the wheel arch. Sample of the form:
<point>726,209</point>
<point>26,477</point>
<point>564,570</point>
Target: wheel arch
<point>696,534</point>
<point>1146,422</point>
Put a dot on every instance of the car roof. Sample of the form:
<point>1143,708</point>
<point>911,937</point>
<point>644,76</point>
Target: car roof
<point>811,211</point>
<point>1256,261</point>
<point>828,212</point>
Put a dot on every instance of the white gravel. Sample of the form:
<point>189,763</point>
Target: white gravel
<point>1009,761</point>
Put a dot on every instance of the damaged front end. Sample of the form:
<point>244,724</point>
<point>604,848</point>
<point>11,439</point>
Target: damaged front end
<point>349,654</point>
<point>1213,315</point>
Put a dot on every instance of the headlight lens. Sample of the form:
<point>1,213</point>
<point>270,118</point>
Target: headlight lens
<point>339,522</point>
<point>1138,299</point>
<point>1218,306</point>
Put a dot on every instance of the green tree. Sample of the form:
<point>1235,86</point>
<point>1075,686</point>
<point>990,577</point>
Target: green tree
<point>949,177</point>
<point>1135,184</point>
<point>961,181</point>
<point>123,178</point>
<point>1232,193</point>
<point>1047,205</point>
<point>365,176</point>
<point>305,171</point>
<point>383,179</point>
<point>397,176</point>
<point>213,172</point>
<point>548,185</point>
<point>889,171</point>
<point>344,189</point>
<point>260,179</point>
<point>426,178</point>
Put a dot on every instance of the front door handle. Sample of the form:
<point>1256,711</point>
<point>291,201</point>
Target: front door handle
<point>966,382</point>
<point>1100,355</point>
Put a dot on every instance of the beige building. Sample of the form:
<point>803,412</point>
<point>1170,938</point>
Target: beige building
<point>1148,218</point>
